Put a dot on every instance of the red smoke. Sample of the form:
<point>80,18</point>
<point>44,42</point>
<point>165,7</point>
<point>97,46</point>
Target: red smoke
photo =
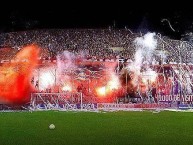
<point>15,77</point>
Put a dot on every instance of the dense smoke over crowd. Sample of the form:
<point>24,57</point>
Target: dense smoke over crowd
<point>15,78</point>
<point>127,58</point>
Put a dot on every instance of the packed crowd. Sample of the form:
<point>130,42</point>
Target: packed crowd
<point>93,43</point>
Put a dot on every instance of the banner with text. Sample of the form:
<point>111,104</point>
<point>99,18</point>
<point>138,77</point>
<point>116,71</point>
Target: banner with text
<point>175,98</point>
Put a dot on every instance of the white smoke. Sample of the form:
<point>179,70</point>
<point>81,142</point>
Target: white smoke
<point>147,42</point>
<point>67,66</point>
<point>145,47</point>
<point>65,61</point>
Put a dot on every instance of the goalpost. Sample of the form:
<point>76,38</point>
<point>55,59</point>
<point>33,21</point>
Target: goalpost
<point>56,101</point>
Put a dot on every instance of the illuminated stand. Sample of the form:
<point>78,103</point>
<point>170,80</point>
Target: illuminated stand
<point>180,72</point>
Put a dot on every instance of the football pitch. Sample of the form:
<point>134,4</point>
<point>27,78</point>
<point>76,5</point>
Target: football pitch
<point>91,128</point>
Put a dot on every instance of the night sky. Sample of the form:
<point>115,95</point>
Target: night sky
<point>171,21</point>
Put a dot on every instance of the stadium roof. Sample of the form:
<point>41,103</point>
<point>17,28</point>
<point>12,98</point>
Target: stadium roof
<point>169,20</point>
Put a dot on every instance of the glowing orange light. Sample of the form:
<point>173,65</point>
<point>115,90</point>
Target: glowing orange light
<point>66,88</point>
<point>101,91</point>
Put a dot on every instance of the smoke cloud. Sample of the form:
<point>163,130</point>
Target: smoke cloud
<point>15,77</point>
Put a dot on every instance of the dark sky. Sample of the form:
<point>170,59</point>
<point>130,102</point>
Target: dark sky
<point>172,21</point>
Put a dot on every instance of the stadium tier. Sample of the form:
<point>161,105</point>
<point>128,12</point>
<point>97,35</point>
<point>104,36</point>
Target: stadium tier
<point>94,66</point>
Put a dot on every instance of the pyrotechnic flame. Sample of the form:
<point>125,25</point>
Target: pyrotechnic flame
<point>67,88</point>
<point>101,91</point>
<point>46,80</point>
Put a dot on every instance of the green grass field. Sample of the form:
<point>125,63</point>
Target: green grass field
<point>90,128</point>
